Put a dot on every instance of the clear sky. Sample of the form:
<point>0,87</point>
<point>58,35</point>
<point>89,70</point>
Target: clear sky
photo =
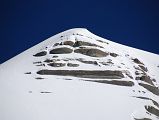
<point>24,23</point>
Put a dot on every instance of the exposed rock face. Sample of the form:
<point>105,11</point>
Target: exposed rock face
<point>57,64</point>
<point>88,62</point>
<point>77,44</point>
<point>43,53</point>
<point>62,50</point>
<point>137,73</point>
<point>113,54</point>
<point>99,62</point>
<point>48,61</point>
<point>143,119</point>
<point>114,82</point>
<point>82,43</point>
<point>51,60</point>
<point>56,44</point>
<point>152,110</point>
<point>104,63</point>
<point>91,52</point>
<point>72,65</point>
<point>102,41</point>
<point>84,74</point>
<point>28,73</point>
<point>55,56</point>
<point>145,78</point>
<point>137,61</point>
<point>143,68</point>
<point>70,43</point>
<point>128,74</point>
<point>150,88</point>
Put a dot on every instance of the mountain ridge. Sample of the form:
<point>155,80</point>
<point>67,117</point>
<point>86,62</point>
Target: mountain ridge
<point>74,30</point>
<point>76,68</point>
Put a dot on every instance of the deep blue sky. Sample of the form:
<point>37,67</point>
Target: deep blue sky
<point>25,23</point>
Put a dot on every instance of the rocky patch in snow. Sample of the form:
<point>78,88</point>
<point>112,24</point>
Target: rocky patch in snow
<point>114,82</point>
<point>87,61</point>
<point>57,64</point>
<point>72,65</point>
<point>143,119</point>
<point>94,50</point>
<point>145,78</point>
<point>62,50</point>
<point>28,73</point>
<point>113,54</point>
<point>152,110</point>
<point>107,74</point>
<point>82,43</point>
<point>150,88</point>
<point>39,78</point>
<point>91,52</point>
<point>43,53</point>
<point>70,43</point>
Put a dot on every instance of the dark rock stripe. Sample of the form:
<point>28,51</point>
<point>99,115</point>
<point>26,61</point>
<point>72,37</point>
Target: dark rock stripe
<point>91,52</point>
<point>114,82</point>
<point>143,119</point>
<point>43,53</point>
<point>62,50</point>
<point>152,110</point>
<point>145,78</point>
<point>57,64</point>
<point>150,88</point>
<point>84,73</point>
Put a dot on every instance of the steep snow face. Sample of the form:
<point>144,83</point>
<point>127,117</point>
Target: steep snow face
<point>76,75</point>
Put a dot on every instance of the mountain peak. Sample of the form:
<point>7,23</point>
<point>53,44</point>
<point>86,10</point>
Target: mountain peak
<point>74,31</point>
<point>77,75</point>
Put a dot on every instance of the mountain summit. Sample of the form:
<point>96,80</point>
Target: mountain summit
<point>77,75</point>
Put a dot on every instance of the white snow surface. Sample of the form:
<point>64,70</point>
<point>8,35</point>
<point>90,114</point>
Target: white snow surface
<point>22,97</point>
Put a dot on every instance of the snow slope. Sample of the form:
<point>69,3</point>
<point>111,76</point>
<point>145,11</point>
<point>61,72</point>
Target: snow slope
<point>28,94</point>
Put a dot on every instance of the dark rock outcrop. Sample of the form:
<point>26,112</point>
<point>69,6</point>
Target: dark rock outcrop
<point>62,50</point>
<point>104,63</point>
<point>113,54</point>
<point>39,78</point>
<point>56,44</point>
<point>91,52</point>
<point>143,68</point>
<point>43,53</point>
<point>38,62</point>
<point>82,43</point>
<point>137,61</point>
<point>152,110</point>
<point>72,65</point>
<point>28,73</point>
<point>57,64</point>
<point>137,73</point>
<point>150,88</point>
<point>70,43</point>
<point>102,41</point>
<point>114,82</point>
<point>88,62</point>
<point>145,78</point>
<point>48,61</point>
<point>107,74</point>
<point>143,119</point>
<point>55,56</point>
<point>129,74</point>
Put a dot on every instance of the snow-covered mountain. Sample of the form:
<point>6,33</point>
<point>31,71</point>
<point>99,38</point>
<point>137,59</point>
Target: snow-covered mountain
<point>76,75</point>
